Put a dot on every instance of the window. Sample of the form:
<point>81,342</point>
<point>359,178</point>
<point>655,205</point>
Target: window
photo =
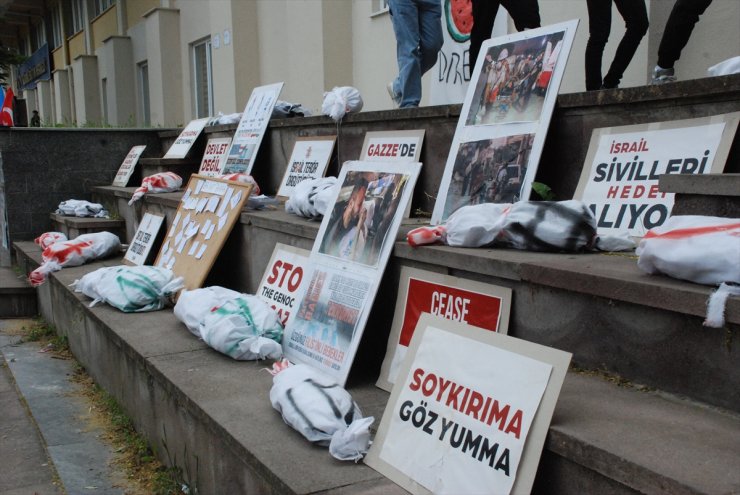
<point>56,26</point>
<point>38,36</point>
<point>144,94</point>
<point>78,16</point>
<point>202,80</point>
<point>103,5</point>
<point>104,89</point>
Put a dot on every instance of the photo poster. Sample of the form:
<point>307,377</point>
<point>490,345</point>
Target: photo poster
<point>347,262</point>
<point>419,291</point>
<point>127,167</point>
<point>214,157</point>
<point>144,238</point>
<point>504,119</point>
<point>619,180</point>
<point>471,421</point>
<point>208,211</point>
<point>309,159</point>
<point>187,138</point>
<point>251,128</point>
<point>281,283</point>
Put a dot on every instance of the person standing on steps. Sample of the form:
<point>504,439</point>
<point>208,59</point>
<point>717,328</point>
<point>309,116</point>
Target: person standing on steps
<point>635,18</point>
<point>684,16</point>
<point>418,28</point>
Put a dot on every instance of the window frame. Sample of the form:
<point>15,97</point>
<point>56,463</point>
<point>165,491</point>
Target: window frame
<point>197,103</point>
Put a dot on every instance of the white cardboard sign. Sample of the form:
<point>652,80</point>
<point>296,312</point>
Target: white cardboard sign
<point>128,166</point>
<point>214,158</point>
<point>471,412</point>
<point>186,139</point>
<point>281,283</point>
<point>308,160</point>
<point>392,146</point>
<point>143,240</point>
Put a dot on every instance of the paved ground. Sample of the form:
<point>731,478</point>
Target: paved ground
<point>49,439</point>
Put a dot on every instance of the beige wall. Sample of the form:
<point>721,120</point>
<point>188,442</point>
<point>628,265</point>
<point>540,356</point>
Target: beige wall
<point>135,9</point>
<point>76,45</point>
<point>104,26</point>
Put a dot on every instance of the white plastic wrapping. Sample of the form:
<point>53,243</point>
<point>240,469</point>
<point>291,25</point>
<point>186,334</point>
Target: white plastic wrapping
<point>311,198</point>
<point>320,410</point>
<point>158,183</point>
<point>75,252</point>
<point>193,305</point>
<point>48,238</point>
<point>725,68</point>
<point>340,101</point>
<point>81,208</point>
<point>130,288</point>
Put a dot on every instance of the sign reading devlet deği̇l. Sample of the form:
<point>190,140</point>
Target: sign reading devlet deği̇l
<point>347,262</point>
<point>469,412</point>
<point>308,160</point>
<point>619,180</point>
<point>467,301</point>
<point>146,234</point>
<point>214,157</point>
<point>392,146</point>
<point>281,283</point>
<point>128,166</point>
<point>251,129</point>
<point>186,139</point>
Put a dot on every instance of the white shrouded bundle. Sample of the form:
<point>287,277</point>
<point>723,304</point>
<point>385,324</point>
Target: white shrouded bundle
<point>241,326</point>
<point>75,252</point>
<point>48,238</point>
<point>527,225</point>
<point>162,182</point>
<point>81,208</point>
<point>320,410</point>
<point>340,101</point>
<point>130,288</point>
<point>311,198</point>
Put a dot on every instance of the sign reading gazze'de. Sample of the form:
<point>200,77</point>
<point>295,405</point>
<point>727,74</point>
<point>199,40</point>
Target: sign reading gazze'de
<point>282,279</point>
<point>392,146</point>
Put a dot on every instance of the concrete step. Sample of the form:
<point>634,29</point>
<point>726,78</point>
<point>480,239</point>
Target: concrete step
<point>76,226</point>
<point>606,436</point>
<point>715,195</point>
<point>17,297</point>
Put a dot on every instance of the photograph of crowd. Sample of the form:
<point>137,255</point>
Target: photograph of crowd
<point>362,214</point>
<point>488,171</point>
<point>513,80</point>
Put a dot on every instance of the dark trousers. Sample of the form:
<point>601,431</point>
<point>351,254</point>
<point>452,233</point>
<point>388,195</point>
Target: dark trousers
<point>524,13</point>
<point>681,22</point>
<point>635,18</point>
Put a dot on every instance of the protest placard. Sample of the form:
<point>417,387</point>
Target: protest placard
<point>251,128</point>
<point>128,166</point>
<point>186,139</point>
<point>144,238</point>
<point>619,180</point>
<point>308,160</point>
<point>420,291</point>
<point>392,146</point>
<point>470,411</point>
<point>347,261</point>
<point>214,157</point>
<point>503,123</point>
<point>281,283</point>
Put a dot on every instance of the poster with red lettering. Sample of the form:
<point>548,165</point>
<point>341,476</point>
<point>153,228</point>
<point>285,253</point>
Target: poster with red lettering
<point>619,179</point>
<point>347,262</point>
<point>309,159</point>
<point>419,291</point>
<point>214,157</point>
<point>282,280</point>
<point>392,146</point>
<point>470,411</point>
<point>127,167</point>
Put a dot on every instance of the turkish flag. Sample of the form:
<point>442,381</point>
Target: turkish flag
<point>6,115</point>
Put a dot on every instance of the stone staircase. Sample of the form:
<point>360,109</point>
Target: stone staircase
<point>651,405</point>
<point>17,297</point>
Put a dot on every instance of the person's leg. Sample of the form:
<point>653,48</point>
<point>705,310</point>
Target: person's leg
<point>684,16</point>
<point>484,14</point>
<point>524,13</point>
<point>599,24</point>
<point>405,20</point>
<point>430,30</point>
<point>635,18</point>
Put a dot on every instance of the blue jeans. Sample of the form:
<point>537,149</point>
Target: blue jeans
<point>418,28</point>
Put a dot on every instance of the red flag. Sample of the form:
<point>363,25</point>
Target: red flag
<point>6,115</point>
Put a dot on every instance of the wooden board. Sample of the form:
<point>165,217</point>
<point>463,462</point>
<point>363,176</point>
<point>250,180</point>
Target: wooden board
<point>207,213</point>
